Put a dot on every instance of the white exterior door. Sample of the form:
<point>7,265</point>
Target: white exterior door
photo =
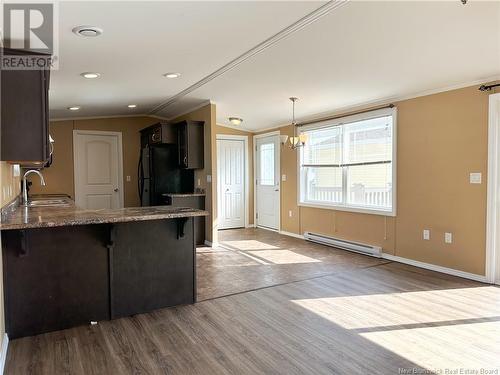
<point>231,183</point>
<point>268,182</point>
<point>98,169</point>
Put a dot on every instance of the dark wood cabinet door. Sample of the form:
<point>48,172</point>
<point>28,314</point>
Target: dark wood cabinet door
<point>151,268</point>
<point>24,116</point>
<point>182,144</point>
<point>55,278</point>
<point>190,135</point>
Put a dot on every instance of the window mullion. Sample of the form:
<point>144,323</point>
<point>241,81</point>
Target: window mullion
<point>364,167</point>
<point>345,150</point>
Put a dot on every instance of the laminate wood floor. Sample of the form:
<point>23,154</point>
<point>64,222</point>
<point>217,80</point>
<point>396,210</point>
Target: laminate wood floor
<point>249,259</point>
<point>381,318</point>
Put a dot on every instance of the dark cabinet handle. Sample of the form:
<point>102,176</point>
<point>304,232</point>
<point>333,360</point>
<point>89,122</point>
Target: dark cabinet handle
<point>185,160</point>
<point>140,177</point>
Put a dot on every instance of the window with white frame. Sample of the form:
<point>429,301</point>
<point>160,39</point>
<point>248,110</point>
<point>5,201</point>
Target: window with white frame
<point>348,164</point>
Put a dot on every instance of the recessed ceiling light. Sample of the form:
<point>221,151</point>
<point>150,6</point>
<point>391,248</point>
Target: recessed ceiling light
<point>132,105</point>
<point>172,75</point>
<point>90,75</point>
<point>87,31</point>
<point>235,120</point>
<point>74,108</point>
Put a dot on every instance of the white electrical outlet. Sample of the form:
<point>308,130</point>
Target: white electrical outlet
<point>209,178</point>
<point>475,178</point>
<point>427,234</point>
<point>283,177</point>
<point>199,182</point>
<point>128,179</point>
<point>448,237</point>
<point>290,213</point>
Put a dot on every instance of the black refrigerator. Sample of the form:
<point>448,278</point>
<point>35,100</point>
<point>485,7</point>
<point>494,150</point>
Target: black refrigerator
<point>159,173</point>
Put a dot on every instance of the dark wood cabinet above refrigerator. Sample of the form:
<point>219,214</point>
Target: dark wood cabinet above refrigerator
<point>190,137</point>
<point>160,133</point>
<point>24,114</point>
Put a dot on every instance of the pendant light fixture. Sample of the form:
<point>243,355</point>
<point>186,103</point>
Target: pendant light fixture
<point>297,140</point>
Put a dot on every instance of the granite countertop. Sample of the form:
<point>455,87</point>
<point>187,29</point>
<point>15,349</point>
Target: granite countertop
<point>183,195</point>
<point>68,215</point>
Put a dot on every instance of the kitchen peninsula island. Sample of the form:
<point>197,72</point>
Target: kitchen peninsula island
<point>64,266</point>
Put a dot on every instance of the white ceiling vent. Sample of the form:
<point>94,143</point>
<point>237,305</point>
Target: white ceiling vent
<point>87,31</point>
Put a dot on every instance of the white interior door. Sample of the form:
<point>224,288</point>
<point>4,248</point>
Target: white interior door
<point>231,183</point>
<point>98,169</point>
<point>267,182</point>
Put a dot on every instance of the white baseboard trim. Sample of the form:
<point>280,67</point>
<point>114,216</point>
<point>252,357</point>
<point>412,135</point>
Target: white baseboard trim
<point>269,229</point>
<point>211,244</point>
<point>3,354</point>
<point>395,258</point>
<point>300,236</point>
<point>433,267</point>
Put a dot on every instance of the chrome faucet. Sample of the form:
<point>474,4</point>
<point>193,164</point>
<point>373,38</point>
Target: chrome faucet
<point>25,184</point>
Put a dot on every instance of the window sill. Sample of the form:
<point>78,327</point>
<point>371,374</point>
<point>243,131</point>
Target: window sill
<point>361,210</point>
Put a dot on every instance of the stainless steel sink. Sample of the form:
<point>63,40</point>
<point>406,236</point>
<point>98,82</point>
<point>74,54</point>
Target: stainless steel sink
<point>49,203</point>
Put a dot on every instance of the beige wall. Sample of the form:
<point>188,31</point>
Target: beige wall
<point>60,176</point>
<point>7,180</point>
<point>207,113</point>
<point>10,185</point>
<point>230,131</point>
<point>441,139</point>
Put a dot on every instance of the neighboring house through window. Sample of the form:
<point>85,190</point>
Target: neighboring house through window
<point>349,163</point>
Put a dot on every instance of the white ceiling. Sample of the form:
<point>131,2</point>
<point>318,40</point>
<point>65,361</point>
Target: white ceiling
<point>360,53</point>
<point>143,39</point>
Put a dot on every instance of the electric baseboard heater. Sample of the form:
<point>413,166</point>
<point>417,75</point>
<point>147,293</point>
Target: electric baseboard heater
<point>374,251</point>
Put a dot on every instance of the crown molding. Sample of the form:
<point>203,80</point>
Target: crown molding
<point>96,117</point>
<point>234,127</point>
<point>381,102</point>
<point>191,109</point>
<point>293,28</point>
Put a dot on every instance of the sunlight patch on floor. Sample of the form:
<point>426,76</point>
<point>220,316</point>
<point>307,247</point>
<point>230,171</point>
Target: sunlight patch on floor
<point>392,309</point>
<point>283,257</point>
<point>442,348</point>
<point>250,245</point>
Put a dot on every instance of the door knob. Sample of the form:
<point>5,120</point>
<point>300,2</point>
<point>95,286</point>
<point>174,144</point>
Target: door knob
<point>115,190</point>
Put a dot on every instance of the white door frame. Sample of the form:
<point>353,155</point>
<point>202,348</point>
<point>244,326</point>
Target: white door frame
<point>243,138</point>
<point>493,203</point>
<point>77,132</point>
<point>255,137</point>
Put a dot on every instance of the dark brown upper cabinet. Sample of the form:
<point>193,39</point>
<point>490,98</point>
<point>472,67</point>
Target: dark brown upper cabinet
<point>24,114</point>
<point>159,133</point>
<point>191,144</point>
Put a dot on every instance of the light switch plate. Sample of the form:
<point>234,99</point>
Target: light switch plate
<point>290,213</point>
<point>448,237</point>
<point>475,178</point>
<point>128,178</point>
<point>426,234</point>
<point>283,177</point>
<point>209,178</point>
<point>16,170</point>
